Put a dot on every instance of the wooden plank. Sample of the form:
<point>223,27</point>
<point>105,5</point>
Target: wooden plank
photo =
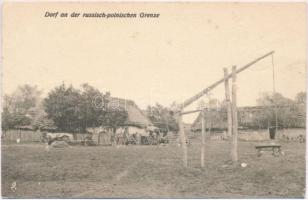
<point>267,146</point>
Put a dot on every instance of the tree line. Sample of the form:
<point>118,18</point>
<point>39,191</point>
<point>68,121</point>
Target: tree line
<point>64,109</point>
<point>68,109</point>
<point>290,113</point>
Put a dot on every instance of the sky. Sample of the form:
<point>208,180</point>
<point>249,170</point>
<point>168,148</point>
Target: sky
<point>149,60</point>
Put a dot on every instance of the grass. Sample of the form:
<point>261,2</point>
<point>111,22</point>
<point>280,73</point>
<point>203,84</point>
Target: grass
<point>151,172</point>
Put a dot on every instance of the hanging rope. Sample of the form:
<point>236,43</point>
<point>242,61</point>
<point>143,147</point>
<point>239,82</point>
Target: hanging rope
<point>273,67</point>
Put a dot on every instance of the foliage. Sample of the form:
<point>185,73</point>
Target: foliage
<point>22,99</point>
<point>42,122</point>
<point>162,117</point>
<point>91,107</point>
<point>301,97</point>
<point>63,106</point>
<point>216,113</point>
<point>115,118</point>
<point>16,106</point>
<point>290,113</point>
<point>12,120</point>
<point>74,110</point>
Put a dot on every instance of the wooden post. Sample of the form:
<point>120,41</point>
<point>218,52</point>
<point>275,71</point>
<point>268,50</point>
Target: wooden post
<point>234,148</point>
<point>274,93</point>
<point>227,95</point>
<point>202,138</point>
<point>183,139</point>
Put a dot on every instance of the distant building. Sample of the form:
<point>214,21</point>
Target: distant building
<point>136,122</point>
<point>255,117</point>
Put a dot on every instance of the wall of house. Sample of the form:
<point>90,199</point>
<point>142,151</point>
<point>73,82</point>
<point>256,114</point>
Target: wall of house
<point>133,130</point>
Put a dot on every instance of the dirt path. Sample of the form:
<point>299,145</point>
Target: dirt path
<point>107,187</point>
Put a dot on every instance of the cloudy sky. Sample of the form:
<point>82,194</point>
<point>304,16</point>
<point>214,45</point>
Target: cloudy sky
<point>163,59</point>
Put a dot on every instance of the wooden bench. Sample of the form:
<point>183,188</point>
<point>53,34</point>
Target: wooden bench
<point>275,148</point>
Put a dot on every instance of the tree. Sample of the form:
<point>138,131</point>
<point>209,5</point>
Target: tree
<point>115,118</point>
<point>216,112</point>
<point>162,117</point>
<point>16,106</point>
<point>42,122</point>
<point>300,109</point>
<point>301,97</point>
<point>75,110</point>
<point>62,105</point>
<point>22,99</point>
<point>92,107</point>
<point>287,110</point>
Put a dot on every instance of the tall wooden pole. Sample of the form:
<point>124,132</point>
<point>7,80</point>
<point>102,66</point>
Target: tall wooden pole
<point>227,95</point>
<point>202,137</point>
<point>234,150</point>
<point>274,93</point>
<point>183,139</point>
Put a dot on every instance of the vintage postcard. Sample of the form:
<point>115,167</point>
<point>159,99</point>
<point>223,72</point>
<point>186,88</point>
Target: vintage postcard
<point>153,100</point>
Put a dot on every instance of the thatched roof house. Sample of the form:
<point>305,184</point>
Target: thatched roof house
<point>135,115</point>
<point>136,121</point>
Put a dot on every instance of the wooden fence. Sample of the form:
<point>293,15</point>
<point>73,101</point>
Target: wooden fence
<point>26,136</point>
<point>23,135</point>
<point>99,139</point>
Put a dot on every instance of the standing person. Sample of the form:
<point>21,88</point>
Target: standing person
<point>113,138</point>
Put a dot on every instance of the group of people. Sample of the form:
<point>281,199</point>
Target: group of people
<point>123,137</point>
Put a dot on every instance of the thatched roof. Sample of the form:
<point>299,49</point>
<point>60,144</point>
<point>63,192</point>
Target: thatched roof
<point>135,115</point>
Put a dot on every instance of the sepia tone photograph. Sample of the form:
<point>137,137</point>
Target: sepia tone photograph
<point>153,100</point>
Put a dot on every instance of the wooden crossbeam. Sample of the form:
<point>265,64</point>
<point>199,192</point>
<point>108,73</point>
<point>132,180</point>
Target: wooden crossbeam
<point>192,111</point>
<point>212,86</point>
<point>189,101</point>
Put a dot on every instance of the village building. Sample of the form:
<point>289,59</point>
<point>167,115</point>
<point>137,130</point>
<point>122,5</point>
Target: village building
<point>136,122</point>
<point>252,117</point>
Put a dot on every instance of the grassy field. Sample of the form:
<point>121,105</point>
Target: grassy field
<point>151,172</point>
